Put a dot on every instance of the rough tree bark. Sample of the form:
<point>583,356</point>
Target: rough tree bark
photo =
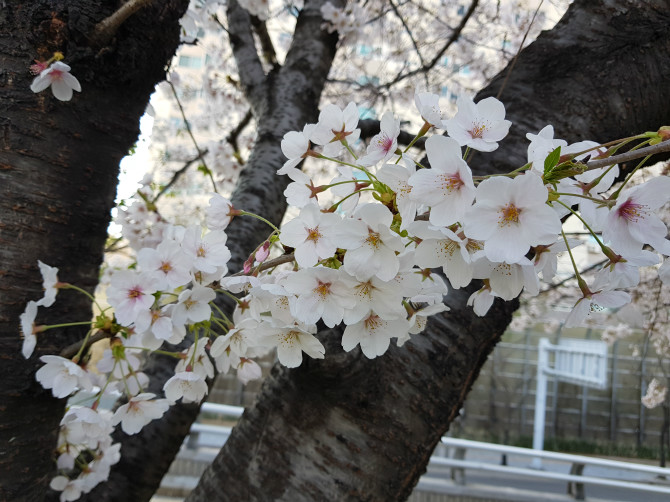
<point>282,101</point>
<point>347,428</point>
<point>58,175</point>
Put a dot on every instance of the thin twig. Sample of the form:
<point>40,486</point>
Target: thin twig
<point>103,32</point>
<point>454,36</point>
<point>516,56</point>
<point>177,174</point>
<point>201,153</point>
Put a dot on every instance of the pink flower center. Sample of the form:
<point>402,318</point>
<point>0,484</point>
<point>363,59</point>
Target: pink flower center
<point>451,182</point>
<point>477,130</point>
<point>323,289</point>
<point>509,214</point>
<point>385,143</point>
<point>56,75</point>
<point>631,211</point>
<point>136,292</point>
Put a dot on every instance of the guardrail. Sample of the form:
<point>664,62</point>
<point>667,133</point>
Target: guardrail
<point>451,454</point>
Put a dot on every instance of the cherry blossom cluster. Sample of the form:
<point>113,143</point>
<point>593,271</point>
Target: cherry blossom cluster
<point>55,74</point>
<point>348,22</point>
<point>365,261</point>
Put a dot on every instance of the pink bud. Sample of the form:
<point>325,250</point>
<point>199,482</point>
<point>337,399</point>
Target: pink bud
<point>263,252</point>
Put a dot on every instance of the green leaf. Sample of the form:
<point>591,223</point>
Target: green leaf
<point>552,160</point>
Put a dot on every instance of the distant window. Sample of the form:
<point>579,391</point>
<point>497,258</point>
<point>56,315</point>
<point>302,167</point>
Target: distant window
<point>201,33</point>
<point>190,62</point>
<point>506,45</point>
<point>367,113</point>
<point>465,70</point>
<point>453,97</point>
<point>444,61</point>
<point>444,91</point>
<point>461,10</point>
<point>366,80</point>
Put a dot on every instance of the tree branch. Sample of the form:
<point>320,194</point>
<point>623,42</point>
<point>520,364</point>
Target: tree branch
<point>267,47</point>
<point>103,32</point>
<point>249,67</point>
<point>179,173</point>
<point>630,155</point>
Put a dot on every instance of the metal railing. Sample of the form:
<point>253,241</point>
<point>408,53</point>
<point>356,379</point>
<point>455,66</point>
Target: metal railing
<point>452,455</point>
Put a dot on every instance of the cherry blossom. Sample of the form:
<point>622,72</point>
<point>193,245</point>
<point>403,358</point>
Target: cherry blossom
<point>510,215</point>
<point>428,105</point>
<point>62,376</point>
<point>479,126</point>
<point>27,329</point>
<point>593,302</point>
<point>312,234</point>
<point>49,283</point>
<point>446,187</point>
<point>335,126</point>
<point>383,145</point>
<point>322,293</point>
<point>130,293</point>
<point>139,411</point>
<point>633,222</point>
<point>291,341</point>
<point>370,244</point>
<point>185,385</point>
<point>373,334</point>
<point>59,78</point>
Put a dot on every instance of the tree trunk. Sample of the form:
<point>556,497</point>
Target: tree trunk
<point>58,175</point>
<point>347,428</point>
<point>282,101</point>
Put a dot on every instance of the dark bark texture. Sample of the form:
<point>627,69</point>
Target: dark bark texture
<point>58,174</point>
<point>347,428</point>
<point>282,101</point>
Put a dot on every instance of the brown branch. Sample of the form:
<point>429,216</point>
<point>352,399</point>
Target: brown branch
<point>72,349</point>
<point>103,32</point>
<point>267,47</point>
<point>630,155</point>
<point>232,137</point>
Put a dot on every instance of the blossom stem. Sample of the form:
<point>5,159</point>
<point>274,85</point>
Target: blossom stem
<point>67,285</point>
<point>592,199</point>
<point>580,281</point>
<point>354,166</point>
<point>346,145</point>
<point>84,344</point>
<point>254,215</point>
<point>65,325</point>
<point>603,248</point>
<point>615,195</point>
<point>223,314</point>
<point>335,206</point>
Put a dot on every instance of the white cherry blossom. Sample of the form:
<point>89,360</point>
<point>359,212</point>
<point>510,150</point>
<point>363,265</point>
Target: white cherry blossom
<point>384,144</point>
<point>446,187</point>
<point>60,79</point>
<point>335,126</point>
<point>139,411</point>
<point>479,126</point>
<point>27,329</point>
<point>49,282</point>
<point>291,341</point>
<point>187,386</point>
<point>62,376</point>
<point>371,245</point>
<point>130,293</point>
<point>510,215</point>
<point>312,234</point>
